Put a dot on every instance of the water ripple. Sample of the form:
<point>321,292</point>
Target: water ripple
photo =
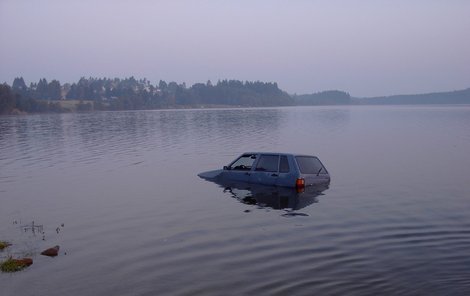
<point>140,222</point>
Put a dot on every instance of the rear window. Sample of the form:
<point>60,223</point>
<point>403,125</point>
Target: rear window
<point>310,165</point>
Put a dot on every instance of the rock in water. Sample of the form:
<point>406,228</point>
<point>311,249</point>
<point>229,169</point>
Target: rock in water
<point>51,252</point>
<point>24,261</point>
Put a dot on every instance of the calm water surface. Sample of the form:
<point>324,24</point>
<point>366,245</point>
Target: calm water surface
<point>138,221</point>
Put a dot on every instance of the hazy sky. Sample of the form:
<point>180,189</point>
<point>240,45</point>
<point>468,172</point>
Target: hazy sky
<point>367,47</point>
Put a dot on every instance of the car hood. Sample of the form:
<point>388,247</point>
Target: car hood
<point>210,174</point>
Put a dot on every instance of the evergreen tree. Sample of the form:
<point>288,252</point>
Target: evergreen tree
<point>42,89</point>
<point>19,86</point>
<point>7,99</point>
<point>54,90</point>
<point>162,85</point>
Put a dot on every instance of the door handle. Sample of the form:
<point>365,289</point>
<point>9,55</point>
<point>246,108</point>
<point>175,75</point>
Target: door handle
<point>247,174</point>
<point>274,175</point>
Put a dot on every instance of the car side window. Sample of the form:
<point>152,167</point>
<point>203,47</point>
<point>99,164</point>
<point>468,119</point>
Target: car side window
<point>268,163</point>
<point>284,165</point>
<point>243,163</point>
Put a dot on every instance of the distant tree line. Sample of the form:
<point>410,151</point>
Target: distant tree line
<point>136,94</point>
<point>331,97</point>
<point>11,103</point>
<point>39,91</point>
<point>132,94</point>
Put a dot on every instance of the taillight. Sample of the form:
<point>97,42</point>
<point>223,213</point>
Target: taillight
<point>300,183</point>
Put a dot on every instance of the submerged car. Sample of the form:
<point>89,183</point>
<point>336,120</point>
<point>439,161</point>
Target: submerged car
<point>275,169</point>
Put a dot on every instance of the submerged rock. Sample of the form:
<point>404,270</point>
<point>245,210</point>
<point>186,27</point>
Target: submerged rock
<point>51,252</point>
<point>24,261</point>
<point>13,265</point>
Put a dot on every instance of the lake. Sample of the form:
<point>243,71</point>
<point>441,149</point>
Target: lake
<point>119,192</point>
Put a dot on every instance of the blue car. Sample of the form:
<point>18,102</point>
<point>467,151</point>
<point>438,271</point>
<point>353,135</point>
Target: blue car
<point>273,169</point>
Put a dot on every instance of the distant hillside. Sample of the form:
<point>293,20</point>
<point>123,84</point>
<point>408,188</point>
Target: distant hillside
<point>330,97</point>
<point>452,97</point>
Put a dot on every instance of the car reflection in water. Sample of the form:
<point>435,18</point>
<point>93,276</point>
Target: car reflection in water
<point>287,199</point>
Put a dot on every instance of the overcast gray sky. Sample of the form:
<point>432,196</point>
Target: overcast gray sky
<point>367,47</point>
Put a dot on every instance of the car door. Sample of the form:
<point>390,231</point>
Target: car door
<point>266,170</point>
<point>287,177</point>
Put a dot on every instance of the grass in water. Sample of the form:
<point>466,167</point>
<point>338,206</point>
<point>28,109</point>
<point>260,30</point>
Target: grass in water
<point>14,265</point>
<point>3,245</point>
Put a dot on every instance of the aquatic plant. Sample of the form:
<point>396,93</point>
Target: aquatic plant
<point>4,245</point>
<point>14,265</point>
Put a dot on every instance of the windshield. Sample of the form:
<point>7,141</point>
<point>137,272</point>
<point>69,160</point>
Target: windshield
<point>310,165</point>
<point>244,163</point>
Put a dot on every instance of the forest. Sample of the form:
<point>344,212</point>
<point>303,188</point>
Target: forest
<point>132,94</point>
<point>106,94</point>
<point>14,103</point>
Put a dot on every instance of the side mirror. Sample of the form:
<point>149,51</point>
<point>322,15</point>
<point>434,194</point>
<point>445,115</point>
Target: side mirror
<point>226,168</point>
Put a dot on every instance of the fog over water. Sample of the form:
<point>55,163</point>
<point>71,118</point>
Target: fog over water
<point>368,48</point>
<point>119,191</point>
